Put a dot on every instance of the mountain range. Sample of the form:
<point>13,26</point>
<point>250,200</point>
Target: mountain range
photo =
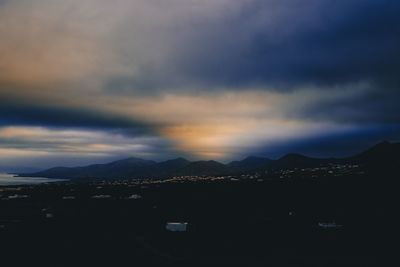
<point>382,155</point>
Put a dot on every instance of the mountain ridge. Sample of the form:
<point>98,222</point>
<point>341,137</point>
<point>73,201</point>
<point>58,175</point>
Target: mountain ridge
<point>379,155</point>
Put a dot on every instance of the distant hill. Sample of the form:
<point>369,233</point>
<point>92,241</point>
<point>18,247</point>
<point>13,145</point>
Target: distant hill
<point>210,167</point>
<point>249,164</point>
<point>382,155</point>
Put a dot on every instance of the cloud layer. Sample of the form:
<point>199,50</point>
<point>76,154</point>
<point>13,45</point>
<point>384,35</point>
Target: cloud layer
<point>207,79</point>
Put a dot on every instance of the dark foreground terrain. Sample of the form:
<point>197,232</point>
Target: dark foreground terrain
<point>252,222</point>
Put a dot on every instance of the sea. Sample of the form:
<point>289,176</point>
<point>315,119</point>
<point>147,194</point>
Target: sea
<point>11,179</point>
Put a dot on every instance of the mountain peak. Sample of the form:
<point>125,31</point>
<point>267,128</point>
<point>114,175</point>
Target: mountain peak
<point>250,163</point>
<point>379,152</point>
<point>181,159</point>
<point>175,162</point>
<point>293,156</point>
<point>382,144</point>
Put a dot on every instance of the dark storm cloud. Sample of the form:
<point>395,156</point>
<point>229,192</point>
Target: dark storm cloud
<point>305,42</point>
<point>220,76</point>
<point>353,41</point>
<point>375,106</point>
<point>49,116</point>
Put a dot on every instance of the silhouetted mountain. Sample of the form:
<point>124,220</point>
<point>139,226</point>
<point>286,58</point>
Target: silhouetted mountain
<point>249,164</point>
<point>210,167</point>
<point>168,167</point>
<point>126,168</point>
<point>130,162</point>
<point>382,155</point>
<point>293,160</point>
<point>383,150</point>
<point>174,163</point>
<point>136,168</point>
<point>54,172</point>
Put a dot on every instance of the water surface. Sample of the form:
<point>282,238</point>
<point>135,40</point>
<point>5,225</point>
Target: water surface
<point>11,179</point>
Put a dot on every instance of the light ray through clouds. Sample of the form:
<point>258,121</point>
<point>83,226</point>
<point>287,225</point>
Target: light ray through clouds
<point>210,79</point>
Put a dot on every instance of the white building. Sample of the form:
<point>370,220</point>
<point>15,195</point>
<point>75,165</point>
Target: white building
<point>176,226</point>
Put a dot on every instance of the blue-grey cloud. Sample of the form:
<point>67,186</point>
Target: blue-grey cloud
<point>305,42</point>
<point>35,114</point>
<point>281,46</point>
<point>214,76</point>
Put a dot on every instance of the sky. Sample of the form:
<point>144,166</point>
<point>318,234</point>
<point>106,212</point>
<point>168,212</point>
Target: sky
<point>85,81</point>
